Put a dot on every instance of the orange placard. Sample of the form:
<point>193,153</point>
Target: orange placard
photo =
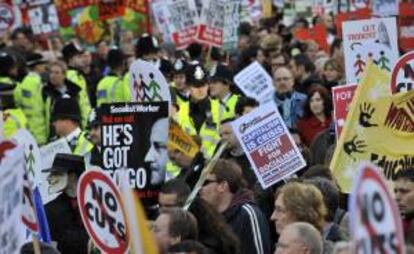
<point>317,33</point>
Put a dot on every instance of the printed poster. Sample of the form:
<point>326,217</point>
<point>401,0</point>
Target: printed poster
<point>268,145</point>
<point>134,139</point>
<point>372,39</point>
<point>406,26</point>
<point>211,28</point>
<point>231,25</point>
<point>255,82</point>
<point>43,19</point>
<point>342,99</point>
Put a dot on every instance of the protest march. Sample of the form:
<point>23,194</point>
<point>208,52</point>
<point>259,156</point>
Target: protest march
<point>206,126</point>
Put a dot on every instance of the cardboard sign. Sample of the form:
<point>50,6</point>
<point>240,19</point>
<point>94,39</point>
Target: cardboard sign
<point>384,8</point>
<point>255,82</point>
<point>402,77</point>
<point>375,222</point>
<point>179,140</point>
<point>177,21</point>
<point>364,40</point>
<point>134,138</point>
<point>342,98</point>
<point>268,145</point>
<point>379,128</point>
<point>317,33</point>
<point>11,196</point>
<point>211,28</point>
<point>48,153</point>
<point>406,26</point>
<point>43,19</point>
<point>147,83</point>
<point>103,212</point>
<point>231,25</point>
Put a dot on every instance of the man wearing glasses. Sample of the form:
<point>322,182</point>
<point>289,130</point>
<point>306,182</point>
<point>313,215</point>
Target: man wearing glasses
<point>289,102</point>
<point>224,190</point>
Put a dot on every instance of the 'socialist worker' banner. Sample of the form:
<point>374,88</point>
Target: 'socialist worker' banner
<point>379,128</point>
<point>268,145</point>
<point>134,138</point>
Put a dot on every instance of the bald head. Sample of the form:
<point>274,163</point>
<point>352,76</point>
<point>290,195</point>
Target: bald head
<point>300,238</point>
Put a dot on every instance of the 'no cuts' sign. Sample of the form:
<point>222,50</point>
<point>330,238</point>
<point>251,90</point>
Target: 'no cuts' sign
<point>375,222</point>
<point>402,78</point>
<point>102,212</point>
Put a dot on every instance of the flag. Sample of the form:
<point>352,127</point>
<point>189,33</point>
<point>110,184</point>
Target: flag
<point>44,233</point>
<point>379,128</point>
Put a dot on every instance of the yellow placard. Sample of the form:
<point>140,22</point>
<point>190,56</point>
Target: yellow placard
<point>379,129</point>
<point>181,141</point>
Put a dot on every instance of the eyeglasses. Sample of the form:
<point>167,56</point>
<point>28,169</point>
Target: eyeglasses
<point>285,79</point>
<point>208,181</point>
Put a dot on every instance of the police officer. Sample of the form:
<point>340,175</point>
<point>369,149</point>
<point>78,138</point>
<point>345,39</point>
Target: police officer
<point>66,122</point>
<point>94,136</point>
<point>57,87</point>
<point>28,96</point>
<point>180,87</point>
<point>196,116</point>
<point>8,69</point>
<point>13,117</point>
<point>111,88</point>
<point>224,101</point>
<point>73,55</point>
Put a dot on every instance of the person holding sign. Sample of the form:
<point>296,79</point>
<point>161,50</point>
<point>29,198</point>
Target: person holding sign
<point>66,122</point>
<point>66,227</point>
<point>196,116</point>
<point>289,102</point>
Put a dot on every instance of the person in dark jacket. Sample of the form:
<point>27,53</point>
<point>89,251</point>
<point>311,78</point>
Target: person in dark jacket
<point>66,227</point>
<point>223,189</point>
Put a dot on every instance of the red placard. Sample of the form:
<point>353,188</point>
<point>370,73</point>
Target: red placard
<point>352,15</point>
<point>402,77</point>
<point>342,98</point>
<point>406,26</point>
<point>317,33</point>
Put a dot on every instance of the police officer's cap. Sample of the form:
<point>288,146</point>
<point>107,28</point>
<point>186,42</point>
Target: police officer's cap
<point>68,163</point>
<point>196,76</point>
<point>6,61</point>
<point>221,73</point>
<point>70,50</point>
<point>66,109</point>
<point>115,58</point>
<point>146,44</point>
<point>180,66</point>
<point>34,59</point>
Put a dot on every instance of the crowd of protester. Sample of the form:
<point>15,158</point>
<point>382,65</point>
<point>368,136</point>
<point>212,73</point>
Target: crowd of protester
<point>56,93</point>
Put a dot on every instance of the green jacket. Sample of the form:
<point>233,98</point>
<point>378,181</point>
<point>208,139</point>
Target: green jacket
<point>85,105</point>
<point>112,89</point>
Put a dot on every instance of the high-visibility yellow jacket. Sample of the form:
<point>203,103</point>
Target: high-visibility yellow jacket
<point>112,89</point>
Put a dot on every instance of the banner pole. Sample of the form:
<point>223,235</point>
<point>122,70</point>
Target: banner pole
<point>36,244</point>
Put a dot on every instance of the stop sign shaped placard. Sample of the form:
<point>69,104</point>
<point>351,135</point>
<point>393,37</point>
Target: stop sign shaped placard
<point>402,77</point>
<point>375,222</point>
<point>103,212</point>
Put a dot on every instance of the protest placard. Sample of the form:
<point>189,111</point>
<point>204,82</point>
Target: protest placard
<point>231,25</point>
<point>134,138</point>
<point>375,222</point>
<point>255,82</point>
<point>372,39</point>
<point>29,210</point>
<point>384,8</point>
<point>342,98</point>
<point>11,196</point>
<point>47,153</point>
<point>211,28</point>
<point>43,19</point>
<point>317,34</point>
<point>177,20</point>
<point>31,154</point>
<point>268,145</point>
<point>147,83</point>
<point>350,15</point>
<point>379,128</point>
<point>179,140</point>
<point>7,17</point>
<point>102,211</point>
<point>402,77</point>
<point>406,26</point>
